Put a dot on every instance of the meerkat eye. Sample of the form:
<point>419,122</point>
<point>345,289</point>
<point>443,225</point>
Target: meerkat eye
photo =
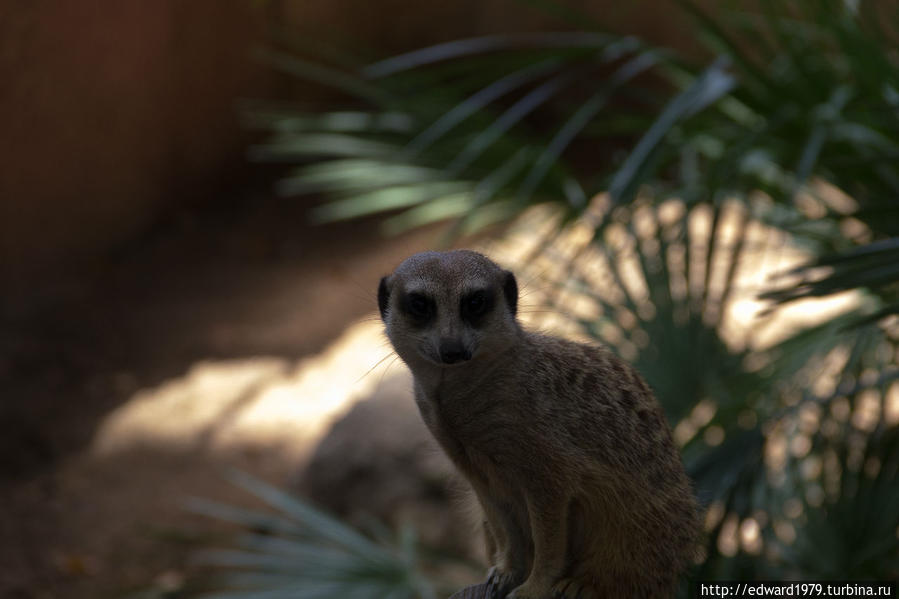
<point>475,305</point>
<point>418,307</point>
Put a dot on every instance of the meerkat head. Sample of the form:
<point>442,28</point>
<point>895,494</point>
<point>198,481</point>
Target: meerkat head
<point>449,308</point>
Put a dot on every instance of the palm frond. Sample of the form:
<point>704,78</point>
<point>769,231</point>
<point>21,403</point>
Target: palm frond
<point>873,266</point>
<point>299,551</point>
<point>791,126</point>
<point>660,284</point>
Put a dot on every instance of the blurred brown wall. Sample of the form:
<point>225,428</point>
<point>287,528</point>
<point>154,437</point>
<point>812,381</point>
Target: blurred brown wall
<point>386,26</point>
<point>114,113</point>
<point>110,113</point>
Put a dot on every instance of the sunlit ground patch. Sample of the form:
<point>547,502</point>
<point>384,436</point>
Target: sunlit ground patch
<point>259,401</point>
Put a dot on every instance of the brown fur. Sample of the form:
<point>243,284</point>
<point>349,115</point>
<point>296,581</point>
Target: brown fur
<point>567,451</point>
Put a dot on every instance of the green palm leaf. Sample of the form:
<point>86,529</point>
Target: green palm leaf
<point>299,551</point>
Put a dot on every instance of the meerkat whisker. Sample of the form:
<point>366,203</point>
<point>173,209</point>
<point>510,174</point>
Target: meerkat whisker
<point>372,369</point>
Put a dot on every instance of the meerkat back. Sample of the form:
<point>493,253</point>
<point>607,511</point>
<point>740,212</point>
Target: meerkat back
<point>567,451</point>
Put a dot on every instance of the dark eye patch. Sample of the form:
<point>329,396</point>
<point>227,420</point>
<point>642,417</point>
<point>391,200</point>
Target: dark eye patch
<point>475,306</point>
<point>419,308</point>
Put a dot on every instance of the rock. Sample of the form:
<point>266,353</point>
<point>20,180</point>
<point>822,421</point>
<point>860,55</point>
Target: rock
<point>380,461</point>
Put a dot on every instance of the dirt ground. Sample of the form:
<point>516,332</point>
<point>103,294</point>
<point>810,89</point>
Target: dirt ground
<point>251,285</point>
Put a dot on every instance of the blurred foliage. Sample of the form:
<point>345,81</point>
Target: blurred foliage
<point>294,550</point>
<point>791,128</point>
<point>788,443</point>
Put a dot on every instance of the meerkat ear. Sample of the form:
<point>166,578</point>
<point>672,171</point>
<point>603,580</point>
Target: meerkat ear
<point>510,290</point>
<point>383,296</point>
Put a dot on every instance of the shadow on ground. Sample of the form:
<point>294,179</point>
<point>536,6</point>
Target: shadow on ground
<point>136,391</point>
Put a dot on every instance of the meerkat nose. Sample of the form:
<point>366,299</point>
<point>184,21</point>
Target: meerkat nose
<point>452,351</point>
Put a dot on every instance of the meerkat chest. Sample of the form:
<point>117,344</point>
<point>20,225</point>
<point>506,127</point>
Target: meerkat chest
<point>443,418</point>
<point>474,426</point>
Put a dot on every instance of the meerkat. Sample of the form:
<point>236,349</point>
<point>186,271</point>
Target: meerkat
<point>583,491</point>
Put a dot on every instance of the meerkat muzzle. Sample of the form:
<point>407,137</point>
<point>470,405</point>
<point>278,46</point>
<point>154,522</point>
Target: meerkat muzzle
<point>453,351</point>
